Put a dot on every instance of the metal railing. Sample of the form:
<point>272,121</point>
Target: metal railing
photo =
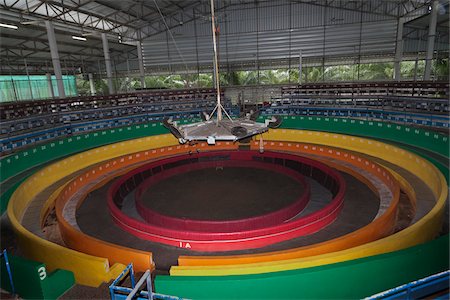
<point>4,255</point>
<point>432,287</point>
<point>135,292</point>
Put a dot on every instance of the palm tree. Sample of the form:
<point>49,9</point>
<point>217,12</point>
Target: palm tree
<point>440,67</point>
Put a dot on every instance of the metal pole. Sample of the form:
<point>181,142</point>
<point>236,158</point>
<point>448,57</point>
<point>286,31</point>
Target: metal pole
<point>138,285</point>
<point>28,77</point>
<point>398,49</point>
<point>300,67</point>
<point>430,41</point>
<point>128,83</point>
<point>290,42</point>
<point>149,287</point>
<point>14,89</point>
<point>50,85</point>
<point>8,269</point>
<point>55,58</point>
<point>324,21</point>
<point>91,83</point>
<point>216,64</point>
<point>360,41</point>
<point>141,63</point>
<point>196,47</point>
<point>107,63</point>
<point>258,75</point>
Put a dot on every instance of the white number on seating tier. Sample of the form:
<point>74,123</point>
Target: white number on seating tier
<point>42,273</point>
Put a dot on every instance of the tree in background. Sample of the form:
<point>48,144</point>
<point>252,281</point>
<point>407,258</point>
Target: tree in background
<point>441,69</point>
<point>367,72</point>
<point>376,71</point>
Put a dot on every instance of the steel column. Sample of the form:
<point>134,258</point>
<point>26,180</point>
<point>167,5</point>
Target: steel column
<point>28,78</point>
<point>141,64</point>
<point>398,49</point>
<point>50,85</point>
<point>107,63</point>
<point>300,67</point>
<point>55,58</point>
<point>430,41</point>
<point>91,83</point>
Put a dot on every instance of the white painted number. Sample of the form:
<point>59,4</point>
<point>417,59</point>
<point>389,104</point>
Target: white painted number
<point>42,273</point>
<point>185,245</point>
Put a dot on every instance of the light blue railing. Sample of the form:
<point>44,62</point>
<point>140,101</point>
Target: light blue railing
<point>431,120</point>
<point>4,255</point>
<point>117,292</point>
<point>435,286</point>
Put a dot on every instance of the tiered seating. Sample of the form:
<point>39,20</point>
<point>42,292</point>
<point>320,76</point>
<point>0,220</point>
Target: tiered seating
<point>391,88</point>
<point>31,108</point>
<point>56,118</point>
<point>434,105</point>
<point>419,96</point>
<point>421,103</point>
<point>359,112</point>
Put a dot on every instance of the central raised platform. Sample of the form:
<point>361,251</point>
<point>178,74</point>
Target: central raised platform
<point>221,130</point>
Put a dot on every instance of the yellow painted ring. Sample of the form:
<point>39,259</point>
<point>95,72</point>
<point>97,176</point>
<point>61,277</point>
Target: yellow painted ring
<point>94,270</point>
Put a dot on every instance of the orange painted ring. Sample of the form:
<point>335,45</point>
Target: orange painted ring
<point>87,244</point>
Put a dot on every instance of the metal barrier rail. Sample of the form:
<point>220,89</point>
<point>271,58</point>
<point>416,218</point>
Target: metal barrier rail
<point>425,287</point>
<point>4,255</point>
<point>117,292</point>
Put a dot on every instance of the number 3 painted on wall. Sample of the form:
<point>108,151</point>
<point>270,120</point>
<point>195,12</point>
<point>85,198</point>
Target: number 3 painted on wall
<point>42,273</point>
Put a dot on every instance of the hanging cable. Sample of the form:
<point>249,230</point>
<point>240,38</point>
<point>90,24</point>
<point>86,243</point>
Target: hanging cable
<point>171,36</point>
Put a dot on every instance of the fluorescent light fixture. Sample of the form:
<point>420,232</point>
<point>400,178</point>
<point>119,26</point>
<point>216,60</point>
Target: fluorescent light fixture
<point>79,38</point>
<point>8,26</point>
<point>31,22</point>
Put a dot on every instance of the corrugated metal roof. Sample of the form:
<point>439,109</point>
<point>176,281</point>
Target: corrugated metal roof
<point>271,31</point>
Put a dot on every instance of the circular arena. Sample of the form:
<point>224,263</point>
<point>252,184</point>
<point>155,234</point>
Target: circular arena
<point>341,191</point>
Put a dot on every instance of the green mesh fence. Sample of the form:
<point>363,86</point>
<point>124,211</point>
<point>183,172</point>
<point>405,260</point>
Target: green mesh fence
<point>34,87</point>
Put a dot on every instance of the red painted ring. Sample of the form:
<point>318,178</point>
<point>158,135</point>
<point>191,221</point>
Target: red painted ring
<point>261,221</point>
<point>225,241</point>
